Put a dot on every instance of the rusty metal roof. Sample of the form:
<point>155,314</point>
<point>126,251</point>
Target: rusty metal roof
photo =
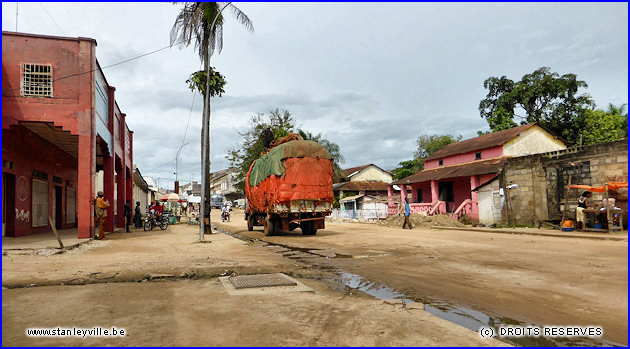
<point>482,142</point>
<point>357,186</point>
<point>460,170</point>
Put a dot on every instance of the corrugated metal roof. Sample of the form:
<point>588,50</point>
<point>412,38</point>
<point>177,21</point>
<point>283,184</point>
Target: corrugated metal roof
<point>351,198</point>
<point>482,142</point>
<point>460,170</point>
<point>367,186</point>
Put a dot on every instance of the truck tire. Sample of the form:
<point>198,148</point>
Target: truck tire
<point>270,226</point>
<point>308,228</point>
<point>250,223</point>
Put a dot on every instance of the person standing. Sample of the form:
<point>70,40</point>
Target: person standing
<point>127,213</point>
<point>137,216</point>
<point>579,211</point>
<point>407,214</point>
<point>101,214</point>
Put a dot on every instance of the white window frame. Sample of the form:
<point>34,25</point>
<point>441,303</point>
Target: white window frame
<point>36,80</point>
<point>39,204</point>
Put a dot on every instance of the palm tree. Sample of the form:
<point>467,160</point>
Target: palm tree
<point>202,22</point>
<point>193,23</point>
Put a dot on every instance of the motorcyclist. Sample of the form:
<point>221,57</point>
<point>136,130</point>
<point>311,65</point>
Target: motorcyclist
<point>225,211</point>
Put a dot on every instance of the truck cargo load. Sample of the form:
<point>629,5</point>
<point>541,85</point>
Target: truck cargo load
<point>290,187</point>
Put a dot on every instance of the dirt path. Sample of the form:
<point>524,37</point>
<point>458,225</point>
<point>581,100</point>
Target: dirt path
<point>531,279</point>
<point>180,302</point>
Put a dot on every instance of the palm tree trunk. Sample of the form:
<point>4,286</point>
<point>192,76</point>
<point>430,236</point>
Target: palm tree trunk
<point>205,167</point>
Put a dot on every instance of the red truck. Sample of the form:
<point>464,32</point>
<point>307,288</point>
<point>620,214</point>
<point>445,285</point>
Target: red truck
<point>290,187</point>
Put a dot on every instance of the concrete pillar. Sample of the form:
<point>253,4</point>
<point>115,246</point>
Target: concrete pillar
<point>390,196</point>
<point>474,197</point>
<point>85,186</point>
<point>403,193</point>
<point>108,190</point>
<point>121,189</point>
<point>129,188</point>
<point>435,195</point>
<point>414,194</point>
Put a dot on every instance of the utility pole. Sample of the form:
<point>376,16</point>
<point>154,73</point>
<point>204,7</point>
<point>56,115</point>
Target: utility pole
<point>205,140</point>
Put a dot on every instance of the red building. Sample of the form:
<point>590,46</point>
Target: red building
<point>60,125</point>
<point>450,175</point>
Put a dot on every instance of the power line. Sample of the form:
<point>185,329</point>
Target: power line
<point>51,18</point>
<point>102,68</point>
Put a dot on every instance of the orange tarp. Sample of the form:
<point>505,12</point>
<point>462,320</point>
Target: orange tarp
<point>601,189</point>
<point>305,179</point>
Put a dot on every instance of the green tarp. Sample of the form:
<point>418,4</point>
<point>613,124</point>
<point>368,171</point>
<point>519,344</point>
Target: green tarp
<point>271,163</point>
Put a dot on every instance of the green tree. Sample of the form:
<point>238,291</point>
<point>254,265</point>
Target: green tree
<point>605,126</point>
<point>546,98</point>
<point>251,147</point>
<point>427,145</point>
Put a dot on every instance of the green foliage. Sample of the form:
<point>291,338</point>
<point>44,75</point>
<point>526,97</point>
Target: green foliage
<point>605,126</point>
<point>197,82</point>
<point>546,98</point>
<point>427,145</point>
<point>407,168</point>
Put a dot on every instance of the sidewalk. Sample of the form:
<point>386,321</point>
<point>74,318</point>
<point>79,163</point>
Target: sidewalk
<point>623,236</point>
<point>45,240</point>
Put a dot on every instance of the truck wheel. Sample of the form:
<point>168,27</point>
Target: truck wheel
<point>269,226</point>
<point>250,223</point>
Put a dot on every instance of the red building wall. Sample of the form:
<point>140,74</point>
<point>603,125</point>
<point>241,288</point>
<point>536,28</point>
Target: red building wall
<point>487,153</point>
<point>30,152</point>
<point>72,108</point>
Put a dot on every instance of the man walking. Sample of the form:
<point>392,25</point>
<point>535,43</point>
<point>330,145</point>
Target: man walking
<point>101,214</point>
<point>127,216</point>
<point>407,214</point>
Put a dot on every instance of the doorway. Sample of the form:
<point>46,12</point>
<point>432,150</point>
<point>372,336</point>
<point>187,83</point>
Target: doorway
<point>445,190</point>
<point>58,209</point>
<point>8,204</point>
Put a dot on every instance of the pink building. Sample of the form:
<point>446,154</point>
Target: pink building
<point>450,174</point>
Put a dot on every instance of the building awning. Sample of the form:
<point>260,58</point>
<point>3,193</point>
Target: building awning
<point>453,171</point>
<point>351,198</point>
<point>361,186</point>
<point>194,199</point>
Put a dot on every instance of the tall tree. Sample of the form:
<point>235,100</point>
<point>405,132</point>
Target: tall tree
<point>605,126</point>
<point>427,145</point>
<point>251,147</point>
<point>202,22</point>
<point>547,98</point>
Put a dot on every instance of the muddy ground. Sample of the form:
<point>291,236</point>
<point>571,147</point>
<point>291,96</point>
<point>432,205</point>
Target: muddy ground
<point>162,287</point>
<point>528,279</point>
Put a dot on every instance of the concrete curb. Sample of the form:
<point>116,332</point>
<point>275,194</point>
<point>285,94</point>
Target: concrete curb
<point>558,235</point>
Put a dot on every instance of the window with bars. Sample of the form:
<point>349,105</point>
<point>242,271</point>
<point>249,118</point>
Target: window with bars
<point>71,205</point>
<point>36,80</point>
<point>40,203</point>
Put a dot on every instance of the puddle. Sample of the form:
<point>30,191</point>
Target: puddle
<point>466,317</point>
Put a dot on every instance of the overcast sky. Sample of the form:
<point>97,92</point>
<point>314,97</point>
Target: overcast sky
<point>371,77</point>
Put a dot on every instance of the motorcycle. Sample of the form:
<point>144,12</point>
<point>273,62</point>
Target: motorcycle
<point>151,221</point>
<point>225,215</point>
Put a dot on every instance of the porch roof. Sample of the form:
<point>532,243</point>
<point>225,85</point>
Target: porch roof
<point>474,168</point>
<point>358,186</point>
<point>351,198</point>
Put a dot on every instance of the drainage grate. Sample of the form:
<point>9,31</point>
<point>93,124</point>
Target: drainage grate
<point>261,280</point>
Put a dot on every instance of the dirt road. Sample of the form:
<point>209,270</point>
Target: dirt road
<point>530,279</point>
<point>162,288</point>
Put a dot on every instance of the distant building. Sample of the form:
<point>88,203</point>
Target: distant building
<point>141,191</point>
<point>60,126</point>
<point>224,183</point>
<point>366,179</point>
<point>450,175</point>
